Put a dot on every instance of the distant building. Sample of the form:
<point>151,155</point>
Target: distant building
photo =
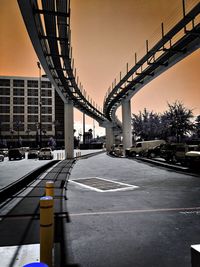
<point>20,112</point>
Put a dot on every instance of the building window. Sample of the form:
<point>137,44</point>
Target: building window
<point>47,127</point>
<point>18,100</point>
<point>47,101</point>
<point>18,118</point>
<point>18,92</point>
<point>46,118</point>
<point>18,126</point>
<point>32,126</point>
<point>18,83</point>
<point>4,82</point>
<point>5,100</point>
<point>5,127</point>
<point>33,110</point>
<point>45,84</point>
<point>18,109</point>
<point>32,92</point>
<point>46,110</point>
<point>4,91</point>
<point>32,118</point>
<point>32,101</point>
<point>4,109</point>
<point>32,84</point>
<point>4,118</point>
<point>46,92</point>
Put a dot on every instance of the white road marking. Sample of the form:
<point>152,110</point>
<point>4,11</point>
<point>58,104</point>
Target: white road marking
<point>126,186</point>
<point>134,211</point>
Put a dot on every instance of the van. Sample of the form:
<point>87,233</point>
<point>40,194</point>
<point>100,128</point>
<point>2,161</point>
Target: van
<point>141,148</point>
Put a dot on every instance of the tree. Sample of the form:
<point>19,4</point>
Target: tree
<point>146,125</point>
<point>197,126</point>
<point>176,121</point>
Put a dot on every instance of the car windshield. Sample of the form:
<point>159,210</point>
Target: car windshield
<point>45,149</point>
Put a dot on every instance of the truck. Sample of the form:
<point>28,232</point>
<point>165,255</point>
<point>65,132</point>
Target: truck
<point>141,148</point>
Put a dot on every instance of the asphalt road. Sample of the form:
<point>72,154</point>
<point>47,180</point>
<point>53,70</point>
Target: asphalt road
<point>153,225</point>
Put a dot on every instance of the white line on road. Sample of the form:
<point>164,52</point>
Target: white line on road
<point>134,211</point>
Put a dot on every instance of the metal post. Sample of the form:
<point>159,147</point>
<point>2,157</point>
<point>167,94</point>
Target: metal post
<point>46,230</point>
<point>83,128</point>
<point>147,46</point>
<point>135,58</point>
<point>49,189</point>
<point>40,104</point>
<point>93,128</point>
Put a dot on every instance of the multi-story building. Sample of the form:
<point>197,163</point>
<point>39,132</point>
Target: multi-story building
<point>25,105</point>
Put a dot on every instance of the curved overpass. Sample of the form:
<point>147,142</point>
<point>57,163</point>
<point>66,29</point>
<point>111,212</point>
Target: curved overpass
<point>48,27</point>
<point>174,46</point>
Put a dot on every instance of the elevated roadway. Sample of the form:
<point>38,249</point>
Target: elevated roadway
<point>178,43</point>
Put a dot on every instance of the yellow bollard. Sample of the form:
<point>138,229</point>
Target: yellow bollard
<point>49,189</point>
<point>46,230</point>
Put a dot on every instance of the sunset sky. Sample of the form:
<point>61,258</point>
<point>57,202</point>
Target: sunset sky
<point>105,36</point>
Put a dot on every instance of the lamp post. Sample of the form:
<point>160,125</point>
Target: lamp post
<point>56,123</point>
<point>18,123</point>
<point>28,132</point>
<point>40,104</point>
<point>12,133</point>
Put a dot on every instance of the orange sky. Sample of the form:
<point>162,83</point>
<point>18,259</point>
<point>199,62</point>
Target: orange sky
<point>105,35</point>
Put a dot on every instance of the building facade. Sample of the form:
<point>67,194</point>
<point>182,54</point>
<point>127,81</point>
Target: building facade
<point>28,113</point>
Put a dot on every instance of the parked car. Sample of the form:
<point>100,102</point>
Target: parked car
<point>1,157</point>
<point>193,158</point>
<point>16,153</point>
<point>180,153</point>
<point>4,151</point>
<point>33,153</point>
<point>117,150</point>
<point>45,153</point>
<point>176,152</point>
<point>167,151</point>
<point>141,148</point>
<point>154,152</point>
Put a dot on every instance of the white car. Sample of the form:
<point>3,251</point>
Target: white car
<point>193,159</point>
<point>45,153</point>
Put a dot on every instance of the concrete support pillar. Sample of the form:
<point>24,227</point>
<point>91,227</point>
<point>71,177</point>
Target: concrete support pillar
<point>126,124</point>
<point>69,129</point>
<point>109,138</point>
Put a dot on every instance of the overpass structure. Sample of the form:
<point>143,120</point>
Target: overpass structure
<point>48,26</point>
<point>173,46</point>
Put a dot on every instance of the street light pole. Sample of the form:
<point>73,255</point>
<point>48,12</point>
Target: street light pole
<point>40,104</point>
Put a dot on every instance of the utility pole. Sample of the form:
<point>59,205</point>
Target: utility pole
<point>40,103</point>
